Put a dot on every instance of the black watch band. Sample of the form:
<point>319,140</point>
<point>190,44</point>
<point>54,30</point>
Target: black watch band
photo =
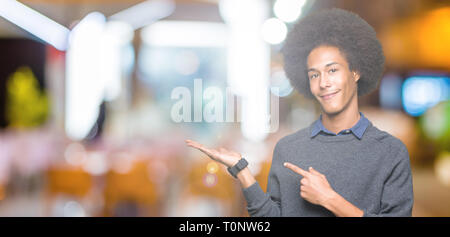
<point>234,170</point>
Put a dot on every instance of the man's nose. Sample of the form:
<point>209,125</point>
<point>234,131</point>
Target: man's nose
<point>324,81</point>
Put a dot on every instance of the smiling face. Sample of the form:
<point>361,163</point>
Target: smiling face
<point>330,79</point>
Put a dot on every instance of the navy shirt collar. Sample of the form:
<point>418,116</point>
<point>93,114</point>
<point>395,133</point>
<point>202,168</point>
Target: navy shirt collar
<point>358,130</point>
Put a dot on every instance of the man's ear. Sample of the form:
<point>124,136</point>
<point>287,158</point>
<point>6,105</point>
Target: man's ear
<point>356,76</point>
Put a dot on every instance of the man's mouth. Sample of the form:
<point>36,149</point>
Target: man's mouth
<point>329,95</point>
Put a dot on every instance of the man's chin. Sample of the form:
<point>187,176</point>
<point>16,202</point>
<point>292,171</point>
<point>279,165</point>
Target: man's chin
<point>331,111</point>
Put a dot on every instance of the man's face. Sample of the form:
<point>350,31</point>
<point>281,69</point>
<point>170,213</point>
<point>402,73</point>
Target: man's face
<point>330,79</point>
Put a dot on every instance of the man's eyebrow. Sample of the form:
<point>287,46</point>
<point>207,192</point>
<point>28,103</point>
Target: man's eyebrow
<point>328,64</point>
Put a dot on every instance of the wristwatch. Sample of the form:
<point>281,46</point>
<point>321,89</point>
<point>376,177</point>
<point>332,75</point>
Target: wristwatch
<point>234,170</point>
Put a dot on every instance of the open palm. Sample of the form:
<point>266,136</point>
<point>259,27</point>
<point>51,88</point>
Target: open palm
<point>221,155</point>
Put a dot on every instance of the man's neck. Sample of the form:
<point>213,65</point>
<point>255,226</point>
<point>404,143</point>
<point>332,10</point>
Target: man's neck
<point>345,119</point>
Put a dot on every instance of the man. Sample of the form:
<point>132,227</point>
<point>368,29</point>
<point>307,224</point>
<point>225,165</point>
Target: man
<point>342,165</point>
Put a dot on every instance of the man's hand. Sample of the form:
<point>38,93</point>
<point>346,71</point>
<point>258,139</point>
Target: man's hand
<point>221,155</point>
<point>228,158</point>
<point>314,186</point>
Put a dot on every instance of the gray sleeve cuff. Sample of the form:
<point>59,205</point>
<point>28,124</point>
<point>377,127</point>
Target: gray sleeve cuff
<point>254,195</point>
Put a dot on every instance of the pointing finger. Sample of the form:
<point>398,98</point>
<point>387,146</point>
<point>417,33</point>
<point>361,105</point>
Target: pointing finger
<point>296,169</point>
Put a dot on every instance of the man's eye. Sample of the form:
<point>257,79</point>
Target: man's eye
<point>313,76</point>
<point>333,70</point>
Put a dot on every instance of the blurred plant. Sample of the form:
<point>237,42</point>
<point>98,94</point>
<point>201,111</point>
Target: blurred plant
<point>27,106</point>
<point>435,124</point>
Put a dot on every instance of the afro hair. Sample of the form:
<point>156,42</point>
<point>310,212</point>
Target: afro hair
<point>352,35</point>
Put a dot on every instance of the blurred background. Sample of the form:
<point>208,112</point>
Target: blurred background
<point>98,96</point>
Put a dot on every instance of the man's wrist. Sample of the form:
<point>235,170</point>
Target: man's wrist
<point>331,201</point>
<point>246,178</point>
<point>341,207</point>
<point>235,162</point>
<point>238,167</point>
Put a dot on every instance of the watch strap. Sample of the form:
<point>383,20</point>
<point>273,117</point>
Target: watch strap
<point>234,170</point>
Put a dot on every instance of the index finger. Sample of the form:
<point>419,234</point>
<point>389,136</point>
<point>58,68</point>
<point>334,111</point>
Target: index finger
<point>296,169</point>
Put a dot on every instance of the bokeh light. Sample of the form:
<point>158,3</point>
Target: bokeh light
<point>281,82</point>
<point>210,180</point>
<point>73,209</point>
<point>274,31</point>
<point>75,154</point>
<point>212,167</point>
<point>421,93</point>
<point>186,62</point>
<point>436,123</point>
<point>442,168</point>
<point>288,10</point>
